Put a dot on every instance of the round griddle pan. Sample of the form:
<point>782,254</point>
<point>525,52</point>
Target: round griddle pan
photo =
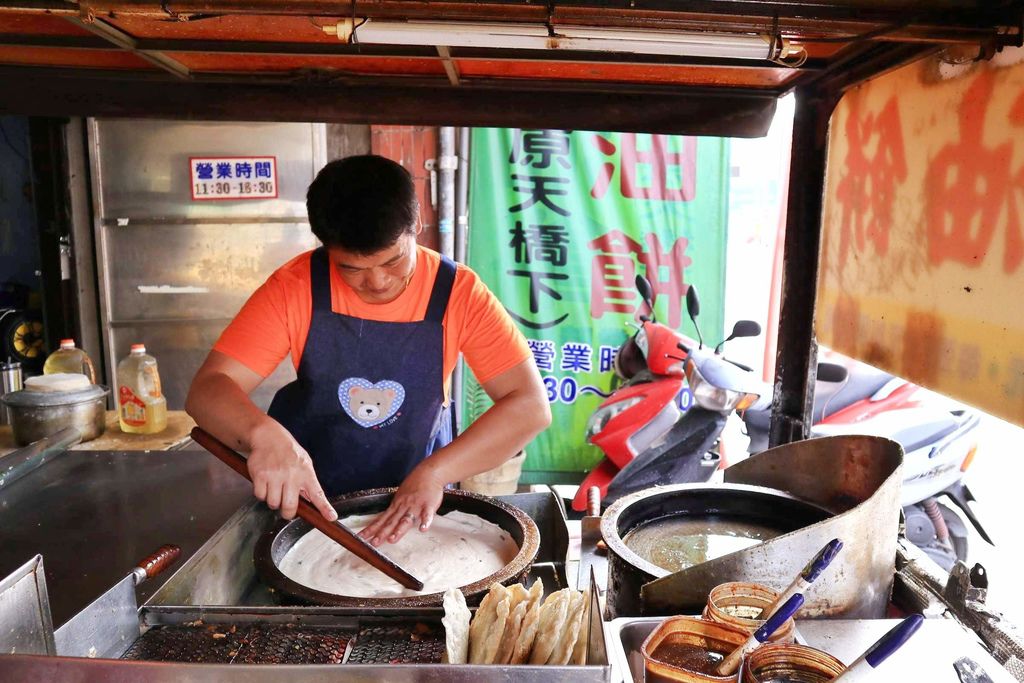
<point>275,544</point>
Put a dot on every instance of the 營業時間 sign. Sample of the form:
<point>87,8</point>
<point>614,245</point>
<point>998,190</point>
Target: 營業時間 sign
<point>222,178</point>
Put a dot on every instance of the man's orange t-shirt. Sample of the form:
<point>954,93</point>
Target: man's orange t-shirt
<point>275,320</point>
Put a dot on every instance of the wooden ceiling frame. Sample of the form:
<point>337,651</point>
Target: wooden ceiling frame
<point>873,35</point>
<point>119,38</point>
<point>896,20</point>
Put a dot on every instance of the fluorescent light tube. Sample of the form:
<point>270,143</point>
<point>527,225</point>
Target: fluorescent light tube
<point>536,37</point>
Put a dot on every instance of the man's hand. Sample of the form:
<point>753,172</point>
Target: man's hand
<point>281,471</point>
<point>415,502</point>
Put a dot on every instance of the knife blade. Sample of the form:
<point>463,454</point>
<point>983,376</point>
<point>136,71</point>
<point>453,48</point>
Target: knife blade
<point>970,671</point>
<point>110,624</point>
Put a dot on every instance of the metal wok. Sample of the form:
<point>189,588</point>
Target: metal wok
<point>275,544</point>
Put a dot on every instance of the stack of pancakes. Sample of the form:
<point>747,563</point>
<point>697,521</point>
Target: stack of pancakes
<point>514,625</point>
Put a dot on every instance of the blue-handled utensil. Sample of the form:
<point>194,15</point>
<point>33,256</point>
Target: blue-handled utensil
<point>880,651</point>
<point>731,663</point>
<point>812,571</point>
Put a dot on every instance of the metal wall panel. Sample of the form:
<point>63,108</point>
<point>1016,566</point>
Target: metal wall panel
<point>146,169</point>
<point>202,270</point>
<point>174,271</point>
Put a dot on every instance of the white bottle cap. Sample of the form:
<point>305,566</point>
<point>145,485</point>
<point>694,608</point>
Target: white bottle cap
<point>138,348</point>
<point>67,343</point>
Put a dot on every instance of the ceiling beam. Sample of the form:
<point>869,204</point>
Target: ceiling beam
<point>940,20</point>
<point>128,43</point>
<point>170,47</point>
<point>686,111</point>
<point>449,66</point>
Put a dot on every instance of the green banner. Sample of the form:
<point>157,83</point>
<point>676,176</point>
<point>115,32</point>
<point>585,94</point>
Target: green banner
<point>561,222</point>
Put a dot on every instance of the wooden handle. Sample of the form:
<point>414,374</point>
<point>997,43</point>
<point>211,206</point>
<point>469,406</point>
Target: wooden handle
<point>164,557</point>
<point>336,531</point>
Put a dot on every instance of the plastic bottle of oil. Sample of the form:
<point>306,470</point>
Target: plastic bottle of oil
<point>141,405</point>
<point>71,360</point>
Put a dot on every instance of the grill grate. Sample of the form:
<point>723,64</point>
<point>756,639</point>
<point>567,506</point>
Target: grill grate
<point>198,644</point>
<point>407,643</point>
<point>245,644</point>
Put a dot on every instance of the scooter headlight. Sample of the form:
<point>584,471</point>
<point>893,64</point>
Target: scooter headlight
<point>629,359</point>
<point>708,396</point>
<point>601,416</point>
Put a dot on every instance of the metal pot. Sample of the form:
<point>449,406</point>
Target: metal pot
<point>38,414</point>
<point>275,544</point>
<point>717,505</point>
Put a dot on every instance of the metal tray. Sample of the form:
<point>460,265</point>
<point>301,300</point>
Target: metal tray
<point>928,656</point>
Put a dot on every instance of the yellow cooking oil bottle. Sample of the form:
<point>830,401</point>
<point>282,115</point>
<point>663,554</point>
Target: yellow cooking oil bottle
<point>141,405</point>
<point>70,360</point>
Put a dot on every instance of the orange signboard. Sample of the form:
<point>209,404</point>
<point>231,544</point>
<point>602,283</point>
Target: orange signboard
<point>922,269</point>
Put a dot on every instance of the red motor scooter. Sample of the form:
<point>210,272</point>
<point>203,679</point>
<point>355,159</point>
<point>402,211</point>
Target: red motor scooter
<point>659,427</point>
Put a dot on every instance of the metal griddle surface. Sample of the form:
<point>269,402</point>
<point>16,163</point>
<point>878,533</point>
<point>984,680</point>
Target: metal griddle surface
<point>94,514</point>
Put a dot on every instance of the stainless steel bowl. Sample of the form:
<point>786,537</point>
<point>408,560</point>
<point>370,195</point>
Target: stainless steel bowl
<point>38,414</point>
<point>716,506</point>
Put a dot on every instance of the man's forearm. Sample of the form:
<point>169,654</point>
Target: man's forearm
<point>493,438</point>
<point>221,407</point>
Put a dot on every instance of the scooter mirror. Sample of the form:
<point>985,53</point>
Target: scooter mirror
<point>742,328</point>
<point>692,302</point>
<point>830,372</point>
<point>745,328</point>
<point>643,285</point>
<point>693,309</point>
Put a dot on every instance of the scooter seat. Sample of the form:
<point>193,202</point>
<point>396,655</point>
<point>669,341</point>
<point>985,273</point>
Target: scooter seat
<point>912,428</point>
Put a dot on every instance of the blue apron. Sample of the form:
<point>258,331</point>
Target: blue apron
<point>368,402</point>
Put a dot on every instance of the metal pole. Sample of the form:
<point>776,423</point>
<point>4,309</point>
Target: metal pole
<point>796,358</point>
<point>461,236</point>
<point>462,197</point>
<point>446,192</point>
<point>29,458</point>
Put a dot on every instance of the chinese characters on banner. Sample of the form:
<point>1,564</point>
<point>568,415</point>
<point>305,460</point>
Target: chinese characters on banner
<point>561,224</point>
<point>220,178</point>
<point>923,231</point>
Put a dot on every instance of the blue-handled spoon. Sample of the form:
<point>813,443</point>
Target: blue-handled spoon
<point>880,651</point>
<point>731,663</point>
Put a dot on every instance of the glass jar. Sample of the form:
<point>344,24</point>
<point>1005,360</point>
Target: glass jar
<point>740,604</point>
<point>708,641</point>
<point>783,663</point>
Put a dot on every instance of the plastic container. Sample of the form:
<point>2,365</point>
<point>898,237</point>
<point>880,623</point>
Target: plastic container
<point>736,602</point>
<point>141,406</point>
<point>782,663</point>
<point>68,359</point>
<point>709,636</point>
<point>503,480</point>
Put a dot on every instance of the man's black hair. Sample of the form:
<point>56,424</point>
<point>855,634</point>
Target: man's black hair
<point>362,203</point>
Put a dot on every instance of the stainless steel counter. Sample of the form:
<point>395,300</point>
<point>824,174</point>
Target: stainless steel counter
<point>93,515</point>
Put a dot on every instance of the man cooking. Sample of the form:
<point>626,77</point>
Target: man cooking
<point>374,324</point>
